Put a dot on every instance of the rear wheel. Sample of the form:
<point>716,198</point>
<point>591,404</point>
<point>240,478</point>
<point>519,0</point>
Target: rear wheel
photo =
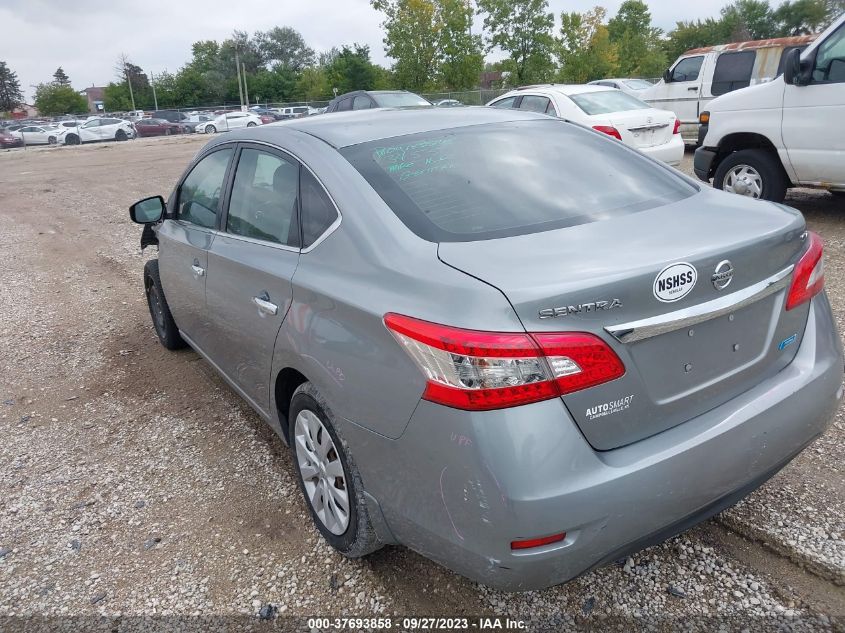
<point>210,129</point>
<point>328,477</point>
<point>120,135</point>
<point>163,322</point>
<point>251,124</point>
<point>72,139</point>
<point>753,173</point>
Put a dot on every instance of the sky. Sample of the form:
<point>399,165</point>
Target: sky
<point>85,37</point>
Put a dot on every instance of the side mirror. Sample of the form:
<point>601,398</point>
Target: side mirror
<point>667,75</point>
<point>148,210</point>
<point>792,66</point>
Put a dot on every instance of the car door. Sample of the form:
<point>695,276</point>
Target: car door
<point>682,93</point>
<point>185,237</point>
<point>251,263</point>
<point>29,134</point>
<point>812,112</point>
<point>90,130</point>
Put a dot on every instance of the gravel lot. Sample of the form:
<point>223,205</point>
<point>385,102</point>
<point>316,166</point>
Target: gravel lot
<point>135,482</point>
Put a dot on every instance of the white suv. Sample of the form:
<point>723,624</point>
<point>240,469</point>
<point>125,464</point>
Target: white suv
<point>759,141</point>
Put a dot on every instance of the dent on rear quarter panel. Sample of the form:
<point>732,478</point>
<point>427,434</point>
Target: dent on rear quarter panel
<point>372,264</point>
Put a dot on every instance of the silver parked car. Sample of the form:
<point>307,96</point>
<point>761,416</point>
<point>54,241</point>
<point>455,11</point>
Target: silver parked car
<point>501,339</point>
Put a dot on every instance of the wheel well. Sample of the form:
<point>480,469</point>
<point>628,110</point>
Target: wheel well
<point>286,383</point>
<point>739,141</point>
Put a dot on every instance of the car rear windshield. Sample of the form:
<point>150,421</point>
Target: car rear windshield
<point>637,84</point>
<point>503,179</point>
<point>607,101</point>
<point>400,100</point>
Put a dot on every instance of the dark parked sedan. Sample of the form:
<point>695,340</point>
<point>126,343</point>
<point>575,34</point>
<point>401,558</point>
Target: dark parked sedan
<point>157,127</point>
<point>507,341</point>
<point>7,140</point>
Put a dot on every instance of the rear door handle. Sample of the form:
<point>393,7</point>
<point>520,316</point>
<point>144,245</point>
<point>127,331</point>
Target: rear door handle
<point>693,88</point>
<point>265,305</point>
<point>199,271</point>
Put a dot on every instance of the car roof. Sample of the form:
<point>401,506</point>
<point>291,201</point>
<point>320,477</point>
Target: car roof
<point>566,89</point>
<point>342,129</point>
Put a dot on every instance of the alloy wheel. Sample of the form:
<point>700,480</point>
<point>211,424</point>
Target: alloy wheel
<point>322,472</point>
<point>744,180</point>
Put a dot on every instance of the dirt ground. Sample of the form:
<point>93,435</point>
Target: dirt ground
<point>135,482</point>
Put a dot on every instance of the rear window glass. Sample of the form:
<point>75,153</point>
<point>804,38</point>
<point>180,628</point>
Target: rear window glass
<point>637,84</point>
<point>400,100</point>
<point>504,179</point>
<point>607,101</point>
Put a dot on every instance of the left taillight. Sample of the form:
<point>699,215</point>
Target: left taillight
<point>677,128</point>
<point>480,371</point>
<point>808,276</point>
<point>609,130</point>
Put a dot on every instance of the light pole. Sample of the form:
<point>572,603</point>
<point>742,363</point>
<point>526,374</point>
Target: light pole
<point>153,84</point>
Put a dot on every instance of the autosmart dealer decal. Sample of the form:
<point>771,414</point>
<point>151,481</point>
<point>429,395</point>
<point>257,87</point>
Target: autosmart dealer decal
<point>675,282</point>
<point>609,408</point>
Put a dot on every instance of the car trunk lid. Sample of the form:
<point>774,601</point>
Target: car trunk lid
<point>643,128</point>
<point>688,345</point>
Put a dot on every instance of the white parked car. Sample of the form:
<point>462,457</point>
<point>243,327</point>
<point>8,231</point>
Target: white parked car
<point>653,132</point>
<point>98,129</point>
<point>229,121</point>
<point>39,134</point>
<point>633,87</point>
<point>761,140</point>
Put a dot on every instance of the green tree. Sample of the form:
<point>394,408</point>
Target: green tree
<point>638,43</point>
<point>10,89</point>
<point>688,35</point>
<point>412,38</point>
<point>53,99</point>
<point>274,85</point>
<point>749,20</point>
<point>461,52</point>
<point>285,47</point>
<point>60,77</point>
<point>350,69</point>
<point>523,30</point>
<point>802,17</point>
<point>312,84</point>
<point>584,48</point>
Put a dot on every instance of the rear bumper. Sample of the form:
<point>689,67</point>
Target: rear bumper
<point>703,163</point>
<point>670,153</point>
<point>458,487</point>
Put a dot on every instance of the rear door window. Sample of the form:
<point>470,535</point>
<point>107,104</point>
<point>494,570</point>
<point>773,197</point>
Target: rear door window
<point>344,104</point>
<point>687,69</point>
<point>733,71</point>
<point>361,102</point>
<point>263,200</point>
<point>503,179</point>
<point>534,103</point>
<point>199,195</point>
<point>318,211</point>
<point>504,103</point>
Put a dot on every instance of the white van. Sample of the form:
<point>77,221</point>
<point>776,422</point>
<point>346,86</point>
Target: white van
<point>701,74</point>
<point>789,132</point>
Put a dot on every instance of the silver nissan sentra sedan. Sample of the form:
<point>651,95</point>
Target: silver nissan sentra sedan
<point>505,341</point>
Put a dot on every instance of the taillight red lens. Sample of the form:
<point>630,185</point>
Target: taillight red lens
<point>609,130</point>
<point>808,276</point>
<point>473,370</point>
<point>677,128</point>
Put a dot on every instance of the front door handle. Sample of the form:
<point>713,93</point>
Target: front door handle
<point>199,271</point>
<point>265,305</point>
<point>693,88</point>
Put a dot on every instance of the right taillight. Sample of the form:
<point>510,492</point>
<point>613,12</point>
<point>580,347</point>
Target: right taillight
<point>473,370</point>
<point>677,128</point>
<point>808,276</point>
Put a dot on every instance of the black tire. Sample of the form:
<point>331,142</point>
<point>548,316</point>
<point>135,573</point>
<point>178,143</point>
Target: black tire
<point>766,164</point>
<point>163,321</point>
<point>120,135</point>
<point>251,124</point>
<point>360,537</point>
<point>51,140</point>
<point>210,129</point>
<point>72,139</point>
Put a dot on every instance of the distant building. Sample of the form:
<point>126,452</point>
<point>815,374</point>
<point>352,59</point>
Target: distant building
<point>25,111</point>
<point>94,95</point>
<point>493,79</point>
